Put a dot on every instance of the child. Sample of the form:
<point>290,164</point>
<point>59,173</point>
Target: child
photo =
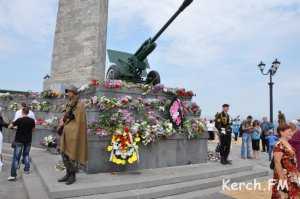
<point>272,140</point>
<point>255,139</point>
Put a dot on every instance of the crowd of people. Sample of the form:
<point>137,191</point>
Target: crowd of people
<point>281,142</point>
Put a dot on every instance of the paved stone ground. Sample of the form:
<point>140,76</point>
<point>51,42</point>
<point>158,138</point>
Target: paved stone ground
<point>16,190</point>
<point>236,159</point>
<point>11,190</point>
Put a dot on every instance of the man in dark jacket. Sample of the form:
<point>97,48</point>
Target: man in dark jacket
<point>223,124</point>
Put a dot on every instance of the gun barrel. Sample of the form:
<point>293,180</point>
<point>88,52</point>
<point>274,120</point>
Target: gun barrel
<point>184,5</point>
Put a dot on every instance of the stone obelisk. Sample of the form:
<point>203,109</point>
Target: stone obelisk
<point>79,51</point>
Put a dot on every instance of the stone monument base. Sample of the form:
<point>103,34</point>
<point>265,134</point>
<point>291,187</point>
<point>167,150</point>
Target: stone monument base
<point>165,152</point>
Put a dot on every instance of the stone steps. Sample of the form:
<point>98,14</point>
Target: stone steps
<point>188,182</point>
<point>211,193</point>
<point>106,183</point>
<point>180,188</point>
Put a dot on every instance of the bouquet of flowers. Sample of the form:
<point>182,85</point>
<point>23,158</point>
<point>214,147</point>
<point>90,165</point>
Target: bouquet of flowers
<point>52,122</point>
<point>183,93</point>
<point>5,96</point>
<point>95,83</point>
<point>49,142</point>
<point>194,128</point>
<point>45,106</point>
<point>106,103</point>
<point>49,94</point>
<point>40,121</point>
<point>113,84</point>
<point>83,88</point>
<point>125,100</point>
<point>191,108</point>
<point>13,107</point>
<point>148,132</point>
<point>124,147</point>
<point>168,128</point>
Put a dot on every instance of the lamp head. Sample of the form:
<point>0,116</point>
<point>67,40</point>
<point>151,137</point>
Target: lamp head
<point>275,66</point>
<point>261,66</point>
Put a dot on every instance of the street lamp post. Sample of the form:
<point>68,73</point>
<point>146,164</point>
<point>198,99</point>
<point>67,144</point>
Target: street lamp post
<point>271,72</point>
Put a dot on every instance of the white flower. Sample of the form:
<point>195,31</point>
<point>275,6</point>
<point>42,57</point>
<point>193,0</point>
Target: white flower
<point>83,87</point>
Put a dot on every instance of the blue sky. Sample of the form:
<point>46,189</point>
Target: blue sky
<point>213,48</point>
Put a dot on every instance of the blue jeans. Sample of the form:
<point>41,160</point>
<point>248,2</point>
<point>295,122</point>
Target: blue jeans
<point>270,151</point>
<point>246,145</point>
<point>20,150</point>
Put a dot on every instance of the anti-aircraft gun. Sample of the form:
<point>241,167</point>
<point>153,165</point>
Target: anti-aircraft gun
<point>133,67</point>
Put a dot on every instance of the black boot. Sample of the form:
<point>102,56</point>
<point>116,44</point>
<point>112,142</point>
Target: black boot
<point>65,178</point>
<point>228,162</point>
<point>223,161</point>
<point>71,179</point>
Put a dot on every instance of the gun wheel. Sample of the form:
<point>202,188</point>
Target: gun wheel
<point>113,73</point>
<point>153,78</point>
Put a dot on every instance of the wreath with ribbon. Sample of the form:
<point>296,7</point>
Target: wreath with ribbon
<point>176,112</point>
<point>124,148</point>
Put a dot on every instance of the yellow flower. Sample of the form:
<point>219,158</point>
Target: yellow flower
<point>134,157</point>
<point>109,148</point>
<point>123,162</point>
<point>114,159</point>
<point>137,139</point>
<point>118,161</point>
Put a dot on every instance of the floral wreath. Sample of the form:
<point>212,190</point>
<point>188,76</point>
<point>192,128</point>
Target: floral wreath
<point>124,148</point>
<point>175,112</point>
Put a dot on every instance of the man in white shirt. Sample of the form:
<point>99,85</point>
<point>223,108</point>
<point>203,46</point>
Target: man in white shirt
<point>18,114</point>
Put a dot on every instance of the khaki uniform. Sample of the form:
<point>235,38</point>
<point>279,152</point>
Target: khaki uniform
<point>73,143</point>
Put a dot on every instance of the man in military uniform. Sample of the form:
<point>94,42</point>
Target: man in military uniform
<point>223,124</point>
<point>73,140</point>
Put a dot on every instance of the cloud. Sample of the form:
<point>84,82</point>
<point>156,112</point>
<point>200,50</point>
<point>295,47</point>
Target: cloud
<point>216,44</point>
<point>207,29</point>
<point>27,20</point>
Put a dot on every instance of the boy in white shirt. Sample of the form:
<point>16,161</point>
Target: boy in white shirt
<point>18,114</point>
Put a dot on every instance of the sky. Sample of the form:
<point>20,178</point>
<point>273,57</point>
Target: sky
<point>213,48</point>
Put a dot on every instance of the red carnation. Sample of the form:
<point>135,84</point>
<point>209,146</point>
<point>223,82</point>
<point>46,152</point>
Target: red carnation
<point>126,129</point>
